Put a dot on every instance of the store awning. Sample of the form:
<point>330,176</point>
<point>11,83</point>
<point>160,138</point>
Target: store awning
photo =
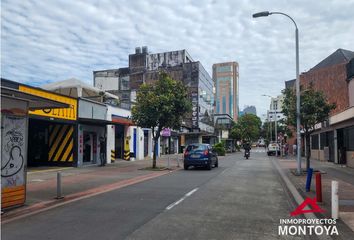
<point>77,88</point>
<point>122,120</point>
<point>90,121</point>
<point>35,102</point>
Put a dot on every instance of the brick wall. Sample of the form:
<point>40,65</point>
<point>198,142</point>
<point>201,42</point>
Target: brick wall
<point>332,81</point>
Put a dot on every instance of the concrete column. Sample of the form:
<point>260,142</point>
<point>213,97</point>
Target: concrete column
<point>80,147</point>
<point>140,144</point>
<point>110,142</point>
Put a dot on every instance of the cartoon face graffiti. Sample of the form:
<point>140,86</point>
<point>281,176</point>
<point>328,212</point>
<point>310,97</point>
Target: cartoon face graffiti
<point>14,164</point>
<point>13,138</point>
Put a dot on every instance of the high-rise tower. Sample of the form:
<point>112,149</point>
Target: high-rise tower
<point>225,76</point>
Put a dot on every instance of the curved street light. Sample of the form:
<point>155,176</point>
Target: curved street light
<point>298,134</point>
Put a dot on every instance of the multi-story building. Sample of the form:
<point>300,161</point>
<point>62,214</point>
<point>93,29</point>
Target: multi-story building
<point>333,140</point>
<point>249,110</point>
<point>144,67</point>
<point>225,76</point>
<point>275,109</point>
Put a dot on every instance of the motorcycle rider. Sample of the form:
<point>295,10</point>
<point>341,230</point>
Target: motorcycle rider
<point>247,148</point>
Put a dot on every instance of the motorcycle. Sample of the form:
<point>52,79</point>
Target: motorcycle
<point>247,154</point>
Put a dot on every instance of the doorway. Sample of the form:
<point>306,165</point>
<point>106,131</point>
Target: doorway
<point>119,141</point>
<point>90,147</point>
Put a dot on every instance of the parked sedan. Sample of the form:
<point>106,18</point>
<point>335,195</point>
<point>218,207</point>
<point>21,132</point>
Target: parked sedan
<point>200,155</point>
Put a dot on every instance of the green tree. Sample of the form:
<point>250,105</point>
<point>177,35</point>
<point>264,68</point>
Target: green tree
<point>247,128</point>
<point>162,104</point>
<point>314,109</point>
<point>268,131</point>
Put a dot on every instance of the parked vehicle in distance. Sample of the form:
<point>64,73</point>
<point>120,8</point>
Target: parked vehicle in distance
<point>200,155</point>
<point>273,148</point>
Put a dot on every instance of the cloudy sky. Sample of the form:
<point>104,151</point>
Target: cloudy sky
<point>46,41</point>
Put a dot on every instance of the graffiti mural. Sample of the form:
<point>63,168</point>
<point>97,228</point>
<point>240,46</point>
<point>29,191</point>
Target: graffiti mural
<point>13,150</point>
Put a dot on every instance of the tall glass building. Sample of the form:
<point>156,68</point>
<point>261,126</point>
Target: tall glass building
<point>226,77</point>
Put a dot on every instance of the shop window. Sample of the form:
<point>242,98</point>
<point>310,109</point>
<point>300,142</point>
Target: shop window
<point>323,140</point>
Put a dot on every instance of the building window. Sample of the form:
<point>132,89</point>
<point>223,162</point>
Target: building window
<point>348,135</point>
<point>224,69</point>
<point>323,140</point>
<point>275,105</point>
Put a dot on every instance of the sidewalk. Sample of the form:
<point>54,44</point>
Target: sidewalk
<point>330,171</point>
<point>80,183</point>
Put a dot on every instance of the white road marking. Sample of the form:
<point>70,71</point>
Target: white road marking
<point>169,207</point>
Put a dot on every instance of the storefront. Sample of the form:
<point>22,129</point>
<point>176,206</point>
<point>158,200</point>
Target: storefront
<point>169,141</point>
<point>124,140</point>
<point>91,132</point>
<point>52,132</point>
<point>334,142</point>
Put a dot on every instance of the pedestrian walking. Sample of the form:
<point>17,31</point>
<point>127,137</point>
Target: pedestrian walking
<point>294,149</point>
<point>103,151</point>
<point>286,149</point>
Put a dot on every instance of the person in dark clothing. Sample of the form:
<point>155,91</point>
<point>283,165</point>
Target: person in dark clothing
<point>247,147</point>
<point>103,151</point>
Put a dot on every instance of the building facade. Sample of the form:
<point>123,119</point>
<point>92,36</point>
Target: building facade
<point>226,79</point>
<point>249,110</point>
<point>144,67</point>
<point>15,139</point>
<point>333,140</point>
<point>275,109</point>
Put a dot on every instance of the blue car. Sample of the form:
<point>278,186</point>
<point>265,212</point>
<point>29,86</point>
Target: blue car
<point>200,155</point>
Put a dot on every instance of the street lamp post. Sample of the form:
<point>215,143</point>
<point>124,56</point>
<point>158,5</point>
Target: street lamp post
<point>298,134</point>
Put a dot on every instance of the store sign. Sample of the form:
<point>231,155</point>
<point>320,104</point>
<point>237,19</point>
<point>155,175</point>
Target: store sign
<point>194,109</point>
<point>166,132</point>
<point>61,113</point>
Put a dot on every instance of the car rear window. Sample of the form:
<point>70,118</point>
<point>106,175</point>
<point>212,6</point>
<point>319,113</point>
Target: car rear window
<point>196,147</point>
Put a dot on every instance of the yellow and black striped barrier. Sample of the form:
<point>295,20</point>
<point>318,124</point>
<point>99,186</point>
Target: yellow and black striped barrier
<point>113,155</point>
<point>61,143</point>
<point>126,155</point>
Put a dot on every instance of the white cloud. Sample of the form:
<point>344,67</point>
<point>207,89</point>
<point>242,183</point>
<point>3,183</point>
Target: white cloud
<point>54,40</point>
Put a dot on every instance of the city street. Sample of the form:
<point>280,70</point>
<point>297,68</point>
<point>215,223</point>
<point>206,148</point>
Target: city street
<point>242,199</point>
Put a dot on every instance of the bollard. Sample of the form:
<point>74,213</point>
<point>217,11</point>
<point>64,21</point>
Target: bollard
<point>308,179</point>
<point>334,199</point>
<point>59,196</point>
<point>318,187</point>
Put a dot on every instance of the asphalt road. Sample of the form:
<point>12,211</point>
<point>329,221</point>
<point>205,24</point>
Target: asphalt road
<point>242,199</point>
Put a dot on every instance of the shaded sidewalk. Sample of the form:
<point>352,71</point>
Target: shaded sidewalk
<point>329,171</point>
<point>80,183</point>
